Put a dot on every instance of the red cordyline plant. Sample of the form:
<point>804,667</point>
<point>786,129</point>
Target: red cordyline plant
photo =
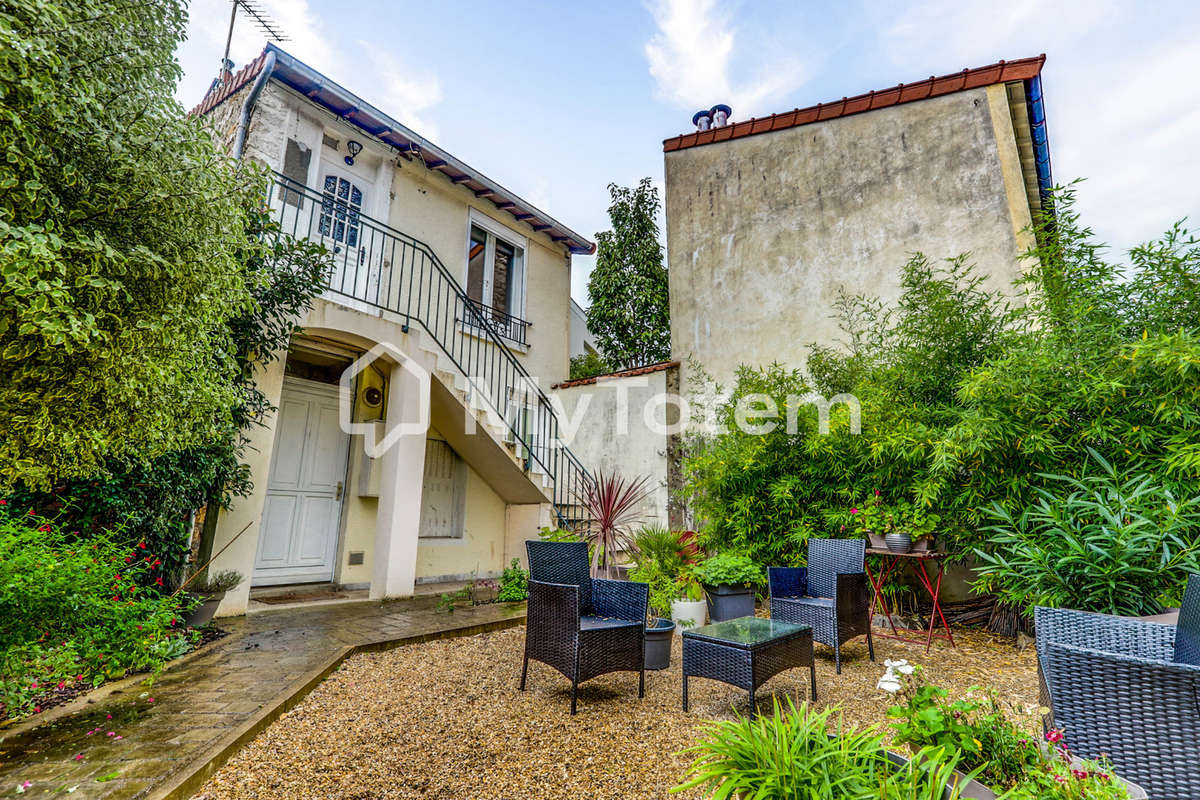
<point>613,506</point>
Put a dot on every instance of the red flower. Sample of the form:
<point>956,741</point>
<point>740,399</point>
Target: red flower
<point>877,493</point>
<point>1054,735</point>
<point>158,582</point>
<point>3,502</point>
<point>142,545</point>
<point>854,511</point>
<point>1080,774</point>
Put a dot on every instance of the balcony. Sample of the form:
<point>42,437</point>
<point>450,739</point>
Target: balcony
<point>514,329</point>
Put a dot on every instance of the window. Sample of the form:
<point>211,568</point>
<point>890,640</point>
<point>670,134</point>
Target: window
<point>296,158</point>
<point>341,208</point>
<point>496,276</point>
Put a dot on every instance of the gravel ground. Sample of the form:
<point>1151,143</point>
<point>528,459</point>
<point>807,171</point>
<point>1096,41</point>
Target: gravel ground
<point>445,721</point>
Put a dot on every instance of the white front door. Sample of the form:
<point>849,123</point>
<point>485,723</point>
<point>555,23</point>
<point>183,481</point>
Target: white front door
<point>349,237</point>
<point>298,539</point>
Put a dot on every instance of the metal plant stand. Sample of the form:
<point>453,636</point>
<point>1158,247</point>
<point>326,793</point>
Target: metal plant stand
<point>746,652</point>
<point>916,563</point>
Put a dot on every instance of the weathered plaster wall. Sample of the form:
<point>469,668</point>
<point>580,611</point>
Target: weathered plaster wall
<point>764,231</point>
<point>614,436</point>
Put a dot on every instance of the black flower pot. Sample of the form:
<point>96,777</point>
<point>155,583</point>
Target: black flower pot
<point>729,602</point>
<point>658,643</point>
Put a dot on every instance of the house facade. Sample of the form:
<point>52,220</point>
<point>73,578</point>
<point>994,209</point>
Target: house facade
<point>413,442</point>
<point>768,220</point>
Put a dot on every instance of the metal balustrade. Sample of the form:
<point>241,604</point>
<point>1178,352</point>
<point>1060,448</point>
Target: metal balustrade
<point>386,269</point>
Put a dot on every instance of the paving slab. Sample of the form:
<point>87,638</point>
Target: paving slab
<point>158,739</point>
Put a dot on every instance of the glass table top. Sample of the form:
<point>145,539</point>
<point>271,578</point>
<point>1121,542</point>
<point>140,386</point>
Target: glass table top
<point>746,631</point>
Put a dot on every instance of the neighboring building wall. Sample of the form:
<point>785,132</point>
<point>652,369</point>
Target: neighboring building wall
<point>582,340</point>
<point>614,435</point>
<point>764,231</point>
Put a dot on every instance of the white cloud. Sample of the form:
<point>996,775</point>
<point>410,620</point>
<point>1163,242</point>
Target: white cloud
<point>692,60</point>
<point>401,92</point>
<point>394,87</point>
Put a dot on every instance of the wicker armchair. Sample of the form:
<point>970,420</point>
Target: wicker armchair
<point>583,627</point>
<point>830,594</point>
<point>1114,685</point>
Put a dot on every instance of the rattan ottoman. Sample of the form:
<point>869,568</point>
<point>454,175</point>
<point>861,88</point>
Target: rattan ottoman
<point>746,652</point>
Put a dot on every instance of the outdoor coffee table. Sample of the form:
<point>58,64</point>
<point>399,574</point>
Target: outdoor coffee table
<point>746,652</point>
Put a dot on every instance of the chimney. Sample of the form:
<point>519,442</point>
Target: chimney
<point>702,120</point>
<point>720,115</point>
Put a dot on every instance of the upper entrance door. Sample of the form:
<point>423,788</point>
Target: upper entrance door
<point>298,539</point>
<point>348,236</point>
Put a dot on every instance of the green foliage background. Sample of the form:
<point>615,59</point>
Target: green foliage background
<point>629,312</point>
<point>120,220</point>
<point>967,401</point>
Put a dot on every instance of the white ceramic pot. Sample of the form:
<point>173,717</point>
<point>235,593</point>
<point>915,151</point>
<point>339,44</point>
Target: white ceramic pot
<point>687,614</point>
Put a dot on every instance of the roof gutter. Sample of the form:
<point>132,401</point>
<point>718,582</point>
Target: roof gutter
<point>419,144</point>
<point>1041,140</point>
<point>264,75</point>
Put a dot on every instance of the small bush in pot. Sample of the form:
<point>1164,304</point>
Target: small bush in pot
<point>660,561</point>
<point>514,583</point>
<point>729,581</point>
<point>206,593</point>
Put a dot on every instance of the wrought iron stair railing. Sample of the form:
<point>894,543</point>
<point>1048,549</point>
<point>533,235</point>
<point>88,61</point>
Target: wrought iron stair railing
<point>387,269</point>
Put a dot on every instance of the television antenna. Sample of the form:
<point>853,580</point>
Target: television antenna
<point>254,10</point>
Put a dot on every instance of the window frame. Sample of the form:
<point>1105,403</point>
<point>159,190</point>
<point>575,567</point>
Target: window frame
<point>496,230</point>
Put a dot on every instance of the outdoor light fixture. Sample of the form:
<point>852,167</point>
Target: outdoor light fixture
<point>355,148</point>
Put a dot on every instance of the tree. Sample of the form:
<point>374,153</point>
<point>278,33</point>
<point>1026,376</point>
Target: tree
<point>629,311</point>
<point>120,221</point>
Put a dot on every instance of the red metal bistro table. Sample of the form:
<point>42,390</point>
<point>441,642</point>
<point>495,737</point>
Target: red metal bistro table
<point>916,562</point>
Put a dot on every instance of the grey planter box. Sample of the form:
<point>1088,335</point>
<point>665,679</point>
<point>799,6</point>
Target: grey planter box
<point>727,602</point>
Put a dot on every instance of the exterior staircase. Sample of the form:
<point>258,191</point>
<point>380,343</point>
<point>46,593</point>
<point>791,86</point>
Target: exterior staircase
<point>387,272</point>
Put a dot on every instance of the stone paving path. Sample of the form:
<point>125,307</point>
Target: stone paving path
<point>141,741</point>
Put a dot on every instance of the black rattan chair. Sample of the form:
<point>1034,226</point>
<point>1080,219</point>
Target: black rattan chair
<point>582,626</point>
<point>1118,687</point>
<point>830,594</point>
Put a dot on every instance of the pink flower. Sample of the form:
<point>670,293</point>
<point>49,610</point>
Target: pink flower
<point>877,493</point>
<point>1054,735</point>
<point>150,700</point>
<point>61,684</point>
<point>111,733</point>
<point>118,738</point>
<point>79,757</point>
<point>1080,774</point>
<point>108,717</point>
<point>854,511</point>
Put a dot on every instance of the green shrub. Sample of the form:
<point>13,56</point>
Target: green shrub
<point>978,730</point>
<point>789,755</point>
<point>76,610</point>
<point>588,365</point>
<point>730,569</point>
<point>663,561</point>
<point>1110,542</point>
<point>514,583</point>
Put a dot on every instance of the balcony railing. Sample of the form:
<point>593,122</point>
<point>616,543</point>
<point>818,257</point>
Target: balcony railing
<point>386,269</point>
<point>512,328</point>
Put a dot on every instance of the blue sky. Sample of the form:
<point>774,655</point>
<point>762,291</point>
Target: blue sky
<point>557,100</point>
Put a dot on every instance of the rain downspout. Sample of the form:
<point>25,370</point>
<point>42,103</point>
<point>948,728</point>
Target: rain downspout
<point>264,75</point>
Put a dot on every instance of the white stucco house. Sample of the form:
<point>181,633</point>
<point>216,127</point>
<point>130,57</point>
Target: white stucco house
<point>457,292</point>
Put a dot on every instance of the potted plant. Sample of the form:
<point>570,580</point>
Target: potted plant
<point>901,527</point>
<point>659,559</point>
<point>729,581</point>
<point>205,593</point>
